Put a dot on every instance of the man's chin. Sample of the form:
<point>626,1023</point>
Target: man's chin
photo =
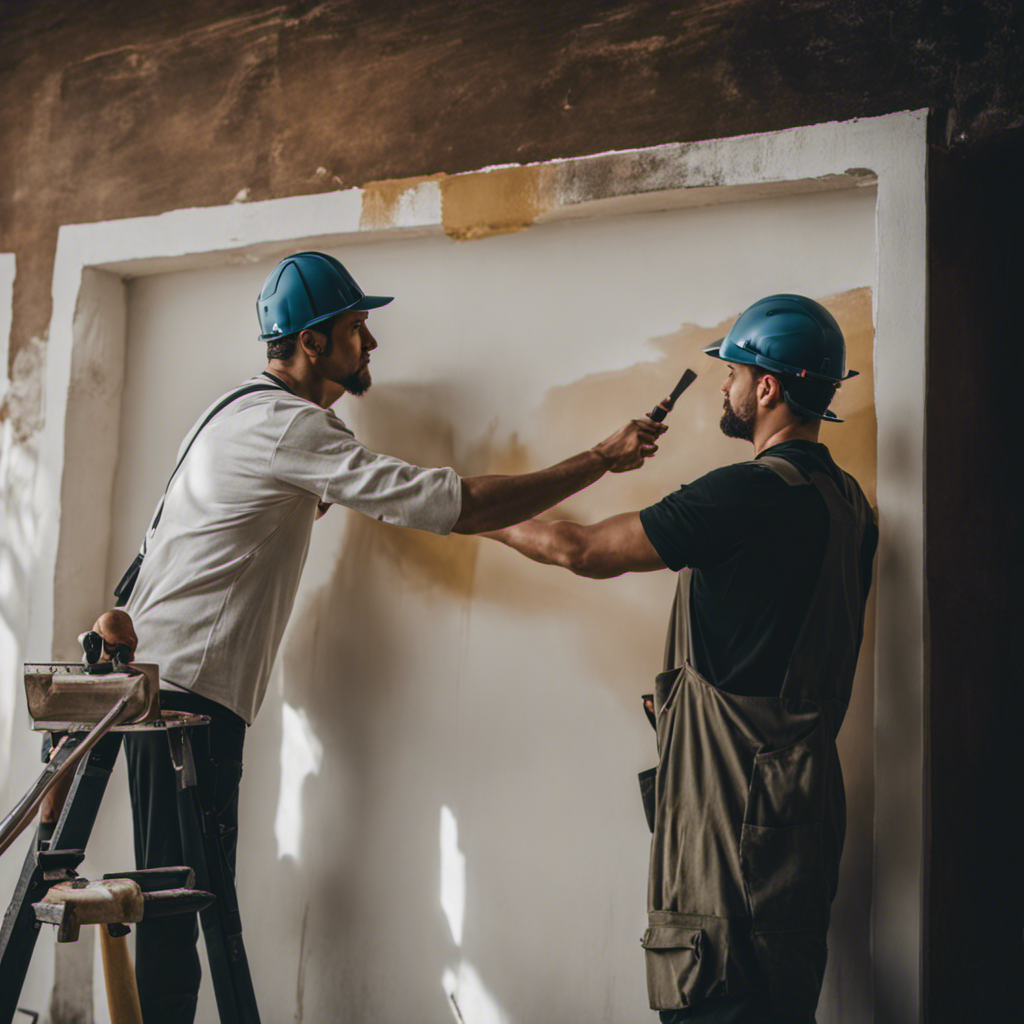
<point>359,383</point>
<point>733,426</point>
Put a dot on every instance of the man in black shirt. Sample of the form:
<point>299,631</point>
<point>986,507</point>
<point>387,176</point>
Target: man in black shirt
<point>774,558</point>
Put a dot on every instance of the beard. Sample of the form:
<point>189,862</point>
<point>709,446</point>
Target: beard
<point>739,424</point>
<point>359,382</point>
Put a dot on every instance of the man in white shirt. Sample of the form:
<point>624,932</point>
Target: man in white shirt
<point>221,569</point>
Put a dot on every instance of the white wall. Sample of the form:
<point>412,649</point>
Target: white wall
<point>442,705</point>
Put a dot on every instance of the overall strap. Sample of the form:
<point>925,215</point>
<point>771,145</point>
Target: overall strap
<point>784,468</point>
<point>227,400</point>
<point>123,591</point>
<point>824,657</point>
<point>679,641</point>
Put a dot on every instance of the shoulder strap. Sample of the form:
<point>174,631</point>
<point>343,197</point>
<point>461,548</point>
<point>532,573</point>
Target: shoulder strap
<point>784,468</point>
<point>227,400</point>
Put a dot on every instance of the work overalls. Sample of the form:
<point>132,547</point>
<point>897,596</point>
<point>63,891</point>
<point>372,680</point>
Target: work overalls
<point>747,804</point>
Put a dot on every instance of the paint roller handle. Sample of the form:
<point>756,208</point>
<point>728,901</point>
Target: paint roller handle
<point>662,409</point>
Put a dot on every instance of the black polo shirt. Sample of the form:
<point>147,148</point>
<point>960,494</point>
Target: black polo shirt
<point>756,546</point>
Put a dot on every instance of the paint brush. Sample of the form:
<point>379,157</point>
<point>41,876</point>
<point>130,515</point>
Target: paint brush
<point>659,412</point>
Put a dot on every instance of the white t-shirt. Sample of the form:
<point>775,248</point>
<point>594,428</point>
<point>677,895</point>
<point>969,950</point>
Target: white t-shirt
<point>222,566</point>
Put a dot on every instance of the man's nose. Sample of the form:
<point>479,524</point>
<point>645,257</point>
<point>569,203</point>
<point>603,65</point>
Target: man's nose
<point>368,339</point>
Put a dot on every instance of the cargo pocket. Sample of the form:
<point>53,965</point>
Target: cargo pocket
<point>781,842</point>
<point>674,961</point>
<point>784,873</point>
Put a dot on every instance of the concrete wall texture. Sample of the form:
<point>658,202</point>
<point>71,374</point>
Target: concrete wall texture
<point>117,112</point>
<point>112,111</point>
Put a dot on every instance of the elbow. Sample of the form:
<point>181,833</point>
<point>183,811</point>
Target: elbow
<point>593,569</point>
<point>474,515</point>
<point>469,523</point>
<point>581,557</point>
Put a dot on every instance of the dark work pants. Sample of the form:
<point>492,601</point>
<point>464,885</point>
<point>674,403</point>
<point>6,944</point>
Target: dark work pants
<point>166,959</point>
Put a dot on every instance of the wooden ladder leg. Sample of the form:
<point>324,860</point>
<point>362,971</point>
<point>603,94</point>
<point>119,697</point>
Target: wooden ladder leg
<point>119,977</point>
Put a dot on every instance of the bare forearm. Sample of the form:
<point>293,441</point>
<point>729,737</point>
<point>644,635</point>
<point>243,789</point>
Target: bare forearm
<point>609,548</point>
<point>552,543</point>
<point>494,502</point>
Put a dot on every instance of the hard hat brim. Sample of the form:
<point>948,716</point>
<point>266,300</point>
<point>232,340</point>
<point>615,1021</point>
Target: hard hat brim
<point>367,302</point>
<point>714,349</point>
<point>370,302</point>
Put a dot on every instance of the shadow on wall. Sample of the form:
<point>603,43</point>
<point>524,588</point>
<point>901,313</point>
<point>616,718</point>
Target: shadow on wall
<point>363,669</point>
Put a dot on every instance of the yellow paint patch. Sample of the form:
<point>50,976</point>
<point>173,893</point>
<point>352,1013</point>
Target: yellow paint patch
<point>853,443</point>
<point>491,202</point>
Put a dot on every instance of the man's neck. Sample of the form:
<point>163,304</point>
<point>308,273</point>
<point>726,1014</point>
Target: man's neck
<point>312,387</point>
<point>770,434</point>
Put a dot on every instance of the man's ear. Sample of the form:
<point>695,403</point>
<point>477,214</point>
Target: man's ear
<point>769,391</point>
<point>310,343</point>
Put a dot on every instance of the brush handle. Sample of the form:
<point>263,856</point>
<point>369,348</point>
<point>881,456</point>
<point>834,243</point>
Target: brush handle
<point>659,412</point>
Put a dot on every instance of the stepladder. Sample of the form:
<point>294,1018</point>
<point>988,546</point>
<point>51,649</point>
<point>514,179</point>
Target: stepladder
<point>86,718</point>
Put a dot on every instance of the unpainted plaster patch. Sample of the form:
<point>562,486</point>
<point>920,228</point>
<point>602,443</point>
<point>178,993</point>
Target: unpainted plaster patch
<point>383,201</point>
<point>23,403</point>
<point>496,203</point>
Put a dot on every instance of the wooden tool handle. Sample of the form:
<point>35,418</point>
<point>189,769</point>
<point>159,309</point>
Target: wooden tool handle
<point>119,976</point>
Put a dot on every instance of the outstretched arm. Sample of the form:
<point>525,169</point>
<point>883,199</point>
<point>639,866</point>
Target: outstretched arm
<point>609,548</point>
<point>493,502</point>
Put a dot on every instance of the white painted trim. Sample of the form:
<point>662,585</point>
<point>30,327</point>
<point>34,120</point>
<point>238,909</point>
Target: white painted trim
<point>890,150</point>
<point>7,272</point>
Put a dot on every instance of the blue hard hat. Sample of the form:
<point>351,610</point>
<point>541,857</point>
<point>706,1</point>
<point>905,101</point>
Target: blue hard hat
<point>305,289</point>
<point>789,335</point>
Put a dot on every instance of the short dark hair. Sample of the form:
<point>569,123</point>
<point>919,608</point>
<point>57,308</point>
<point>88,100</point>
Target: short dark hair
<point>283,348</point>
<point>806,391</point>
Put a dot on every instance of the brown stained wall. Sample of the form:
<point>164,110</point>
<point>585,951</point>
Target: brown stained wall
<point>113,110</point>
